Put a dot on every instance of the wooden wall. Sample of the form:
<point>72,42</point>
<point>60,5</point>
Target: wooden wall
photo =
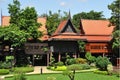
<point>98,47</point>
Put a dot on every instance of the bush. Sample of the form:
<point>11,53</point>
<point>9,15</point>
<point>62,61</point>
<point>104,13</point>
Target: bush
<point>23,69</point>
<point>101,72</point>
<point>60,68</point>
<point>90,58</point>
<point>102,63</point>
<point>81,61</point>
<point>70,61</point>
<point>60,63</point>
<point>85,66</point>
<point>4,71</point>
<point>5,65</point>
<point>20,76</point>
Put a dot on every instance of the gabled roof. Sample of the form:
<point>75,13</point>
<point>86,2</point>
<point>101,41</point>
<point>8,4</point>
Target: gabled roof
<point>65,27</point>
<point>96,27</point>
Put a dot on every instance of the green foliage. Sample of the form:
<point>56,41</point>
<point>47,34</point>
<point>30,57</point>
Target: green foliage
<point>81,45</point>
<point>78,67</point>
<point>60,63</point>
<point>115,18</point>
<point>5,65</point>
<point>23,69</point>
<point>86,15</point>
<point>20,76</point>
<point>13,35</point>
<point>58,68</point>
<point>52,60</point>
<point>14,10</point>
<point>70,61</point>
<point>81,61</point>
<point>4,71</point>
<point>101,72</point>
<point>90,58</point>
<point>102,63</point>
<point>53,20</point>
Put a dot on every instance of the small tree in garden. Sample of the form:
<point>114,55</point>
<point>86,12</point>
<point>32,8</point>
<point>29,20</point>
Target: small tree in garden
<point>52,60</point>
<point>70,72</point>
<point>90,58</point>
<point>102,63</point>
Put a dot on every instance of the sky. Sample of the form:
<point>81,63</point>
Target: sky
<point>75,6</point>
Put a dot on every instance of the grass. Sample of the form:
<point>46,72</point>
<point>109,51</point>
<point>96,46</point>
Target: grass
<point>78,76</point>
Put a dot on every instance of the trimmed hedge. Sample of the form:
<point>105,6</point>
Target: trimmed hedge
<point>59,68</point>
<point>23,69</point>
<point>4,71</point>
<point>101,72</point>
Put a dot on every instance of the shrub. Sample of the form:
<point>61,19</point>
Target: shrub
<point>23,69</point>
<point>5,65</point>
<point>81,61</point>
<point>60,63</point>
<point>60,68</point>
<point>101,72</point>
<point>102,63</point>
<point>85,66</point>
<point>20,76</point>
<point>90,58</point>
<point>70,61</point>
<point>4,71</point>
<point>78,66</point>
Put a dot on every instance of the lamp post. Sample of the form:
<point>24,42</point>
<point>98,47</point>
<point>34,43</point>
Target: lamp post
<point>11,51</point>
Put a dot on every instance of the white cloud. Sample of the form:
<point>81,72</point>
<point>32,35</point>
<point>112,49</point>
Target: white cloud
<point>63,3</point>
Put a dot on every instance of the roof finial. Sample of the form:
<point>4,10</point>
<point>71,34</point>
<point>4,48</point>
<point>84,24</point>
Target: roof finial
<point>69,15</point>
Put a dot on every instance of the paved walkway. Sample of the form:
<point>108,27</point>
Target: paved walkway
<point>43,69</point>
<point>37,70</point>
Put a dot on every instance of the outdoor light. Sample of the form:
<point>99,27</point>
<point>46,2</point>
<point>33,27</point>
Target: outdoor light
<point>11,50</point>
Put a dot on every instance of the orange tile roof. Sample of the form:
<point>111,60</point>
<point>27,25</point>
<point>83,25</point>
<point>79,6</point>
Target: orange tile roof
<point>96,27</point>
<point>5,21</point>
<point>67,37</point>
<point>60,27</point>
<point>98,38</point>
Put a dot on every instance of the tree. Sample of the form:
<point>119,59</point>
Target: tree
<point>102,63</point>
<point>86,15</point>
<point>24,19</point>
<point>14,10</point>
<point>53,20</point>
<point>115,18</point>
<point>13,35</point>
<point>81,45</point>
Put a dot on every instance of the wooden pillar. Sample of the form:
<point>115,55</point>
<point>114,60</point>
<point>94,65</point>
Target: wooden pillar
<point>33,61</point>
<point>75,55</point>
<point>103,54</point>
<point>59,57</point>
<point>48,59</point>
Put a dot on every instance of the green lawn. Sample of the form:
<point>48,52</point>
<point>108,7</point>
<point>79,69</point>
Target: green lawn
<point>78,76</point>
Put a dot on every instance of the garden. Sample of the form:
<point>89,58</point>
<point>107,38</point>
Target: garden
<point>71,69</point>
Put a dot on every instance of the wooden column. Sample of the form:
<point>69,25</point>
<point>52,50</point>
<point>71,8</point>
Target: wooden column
<point>33,61</point>
<point>47,59</point>
<point>59,57</point>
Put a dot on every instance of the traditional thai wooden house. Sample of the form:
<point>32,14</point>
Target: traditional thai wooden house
<point>95,33</point>
<point>64,40</point>
<point>98,35</point>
